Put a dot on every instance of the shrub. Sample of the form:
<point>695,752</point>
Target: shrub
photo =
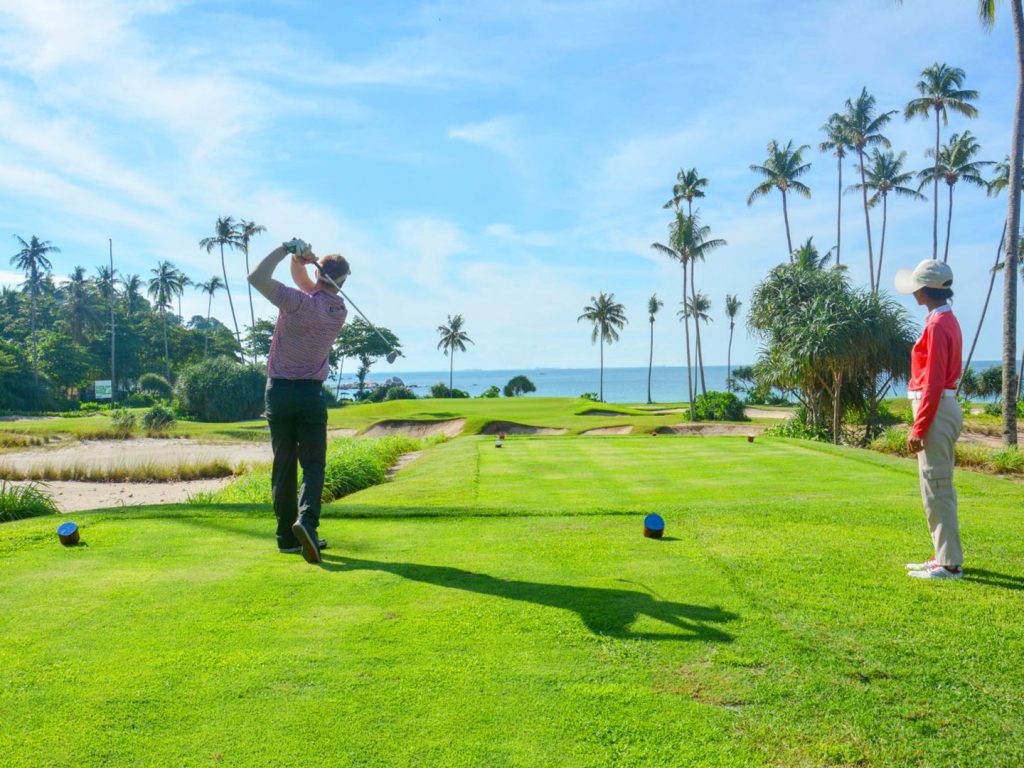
<point>799,428</point>
<point>221,390</point>
<point>893,441</point>
<point>157,420</point>
<point>519,385</point>
<point>140,400</point>
<point>399,392</point>
<point>994,409</point>
<point>590,396</point>
<point>123,422</point>
<point>20,501</point>
<point>441,390</point>
<point>155,385</point>
<point>491,391</point>
<point>90,408</point>
<point>1008,460</point>
<point>718,406</point>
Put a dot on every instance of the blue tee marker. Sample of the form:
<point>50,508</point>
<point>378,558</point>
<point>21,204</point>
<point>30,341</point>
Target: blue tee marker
<point>654,526</point>
<point>67,533</point>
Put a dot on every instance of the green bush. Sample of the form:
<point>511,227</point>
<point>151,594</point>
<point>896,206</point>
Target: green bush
<point>20,501</point>
<point>1008,460</point>
<point>519,385</point>
<point>155,385</point>
<point>993,409</point>
<point>718,406</point>
<point>491,391</point>
<point>590,396</point>
<point>123,422</point>
<point>441,390</point>
<point>157,420</point>
<point>798,427</point>
<point>893,441</point>
<point>140,400</point>
<point>221,390</point>
<point>399,392</point>
<point>90,408</point>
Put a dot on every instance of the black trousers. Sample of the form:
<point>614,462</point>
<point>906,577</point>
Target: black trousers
<point>297,414</point>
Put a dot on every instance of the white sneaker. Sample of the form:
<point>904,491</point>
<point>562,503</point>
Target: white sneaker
<point>920,566</point>
<point>937,572</point>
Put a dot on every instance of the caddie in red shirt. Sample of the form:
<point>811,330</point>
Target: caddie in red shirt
<point>309,320</point>
<point>935,365</point>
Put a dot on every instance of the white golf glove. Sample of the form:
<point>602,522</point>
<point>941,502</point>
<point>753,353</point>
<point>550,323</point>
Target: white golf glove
<point>297,247</point>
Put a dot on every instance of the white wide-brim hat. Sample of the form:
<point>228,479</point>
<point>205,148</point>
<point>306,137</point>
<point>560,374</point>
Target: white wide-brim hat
<point>930,273</point>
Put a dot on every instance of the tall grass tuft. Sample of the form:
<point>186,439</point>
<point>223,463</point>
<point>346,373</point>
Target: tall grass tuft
<point>352,465</point>
<point>20,501</point>
<point>145,472</point>
<point>1000,461</point>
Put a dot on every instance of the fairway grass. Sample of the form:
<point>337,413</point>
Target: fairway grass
<point>499,607</point>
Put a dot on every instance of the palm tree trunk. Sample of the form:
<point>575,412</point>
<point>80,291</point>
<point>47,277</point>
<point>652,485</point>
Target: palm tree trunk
<point>600,395</point>
<point>984,308</point>
<point>231,303</point>
<point>451,371</point>
<point>867,221</point>
<point>881,245</point>
<point>686,330</point>
<point>1013,244</point>
<point>167,354</point>
<point>337,388</point>
<point>935,193</point>
<point>837,413</point>
<point>35,349</point>
<point>252,312</point>
<point>650,362</point>
<point>696,325</point>
<point>949,223</point>
<point>839,209</point>
<point>785,217</point>
<point>209,311</point>
<point>728,361</point>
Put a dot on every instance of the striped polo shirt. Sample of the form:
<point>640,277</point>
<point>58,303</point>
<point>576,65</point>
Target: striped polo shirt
<point>307,325</point>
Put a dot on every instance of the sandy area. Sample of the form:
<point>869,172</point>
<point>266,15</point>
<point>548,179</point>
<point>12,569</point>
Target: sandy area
<point>625,429</point>
<point>74,496</point>
<point>765,413</point>
<point>990,441</point>
<point>416,428</point>
<point>341,432</point>
<point>139,451</point>
<point>511,428</point>
<point>711,430</point>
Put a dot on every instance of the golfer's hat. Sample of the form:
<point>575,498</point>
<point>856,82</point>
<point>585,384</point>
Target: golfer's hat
<point>930,273</point>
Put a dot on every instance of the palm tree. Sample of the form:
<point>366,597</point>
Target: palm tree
<point>247,230</point>
<point>210,287</point>
<point>780,171</point>
<point>653,305</point>
<point>808,257</point>
<point>732,308</point>
<point>452,338</point>
<point>689,241</point>
<point>883,176</point>
<point>132,293</point>
<point>608,317</point>
<point>161,288</point>
<point>106,286</point>
<point>940,89</point>
<point>32,260</point>
<point>78,304</point>
<point>955,163</point>
<point>837,141</point>
<point>181,282</point>
<point>865,129</point>
<point>689,185</point>
<point>699,308</point>
<point>225,233</point>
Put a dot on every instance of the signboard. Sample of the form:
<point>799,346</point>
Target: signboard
<point>104,390</point>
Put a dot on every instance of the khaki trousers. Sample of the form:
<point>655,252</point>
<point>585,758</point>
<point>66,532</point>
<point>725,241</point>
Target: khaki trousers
<point>935,467</point>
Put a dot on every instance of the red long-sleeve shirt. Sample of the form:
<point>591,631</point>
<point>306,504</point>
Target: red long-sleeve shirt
<point>935,364</point>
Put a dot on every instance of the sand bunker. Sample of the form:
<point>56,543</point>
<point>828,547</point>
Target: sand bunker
<point>72,496</point>
<point>341,432</point>
<point>511,428</point>
<point>599,412</point>
<point>765,413</point>
<point>625,429</point>
<point>416,428</point>
<point>711,430</point>
<point>143,451</point>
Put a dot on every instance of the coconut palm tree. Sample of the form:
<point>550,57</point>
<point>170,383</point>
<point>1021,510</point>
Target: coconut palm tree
<point>941,90</point>
<point>210,287</point>
<point>807,256</point>
<point>225,232</point>
<point>78,304</point>
<point>653,305</point>
<point>732,309</point>
<point>780,171</point>
<point>162,287</point>
<point>865,130</point>
<point>608,318</point>
<point>885,176</point>
<point>247,230</point>
<point>698,306</point>
<point>954,164</point>
<point>452,338</point>
<point>688,241</point>
<point>181,282</point>
<point>689,185</point>
<point>132,293</point>
<point>32,260</point>
<point>837,141</point>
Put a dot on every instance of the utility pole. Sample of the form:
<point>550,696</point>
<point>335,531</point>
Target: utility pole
<point>113,377</point>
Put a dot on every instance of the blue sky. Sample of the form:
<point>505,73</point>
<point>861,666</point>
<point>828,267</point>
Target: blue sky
<point>503,161</point>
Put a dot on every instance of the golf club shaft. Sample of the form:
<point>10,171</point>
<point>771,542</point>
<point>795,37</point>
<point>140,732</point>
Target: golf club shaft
<point>330,279</point>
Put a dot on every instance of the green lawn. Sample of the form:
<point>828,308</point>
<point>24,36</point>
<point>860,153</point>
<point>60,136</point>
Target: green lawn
<point>499,607</point>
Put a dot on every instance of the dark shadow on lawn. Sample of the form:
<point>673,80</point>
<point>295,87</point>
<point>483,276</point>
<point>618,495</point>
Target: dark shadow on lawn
<point>993,579</point>
<point>604,611</point>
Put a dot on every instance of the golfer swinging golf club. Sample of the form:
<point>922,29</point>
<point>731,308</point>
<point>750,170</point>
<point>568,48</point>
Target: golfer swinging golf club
<point>934,373</point>
<point>309,320</point>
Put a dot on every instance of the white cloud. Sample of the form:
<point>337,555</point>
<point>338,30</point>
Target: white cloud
<point>499,134</point>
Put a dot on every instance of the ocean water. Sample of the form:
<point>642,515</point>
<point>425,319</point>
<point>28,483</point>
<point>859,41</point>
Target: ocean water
<point>621,385</point>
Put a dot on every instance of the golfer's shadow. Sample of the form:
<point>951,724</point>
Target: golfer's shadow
<point>604,611</point>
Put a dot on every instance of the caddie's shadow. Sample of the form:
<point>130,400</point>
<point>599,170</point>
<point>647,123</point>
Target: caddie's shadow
<point>604,611</point>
